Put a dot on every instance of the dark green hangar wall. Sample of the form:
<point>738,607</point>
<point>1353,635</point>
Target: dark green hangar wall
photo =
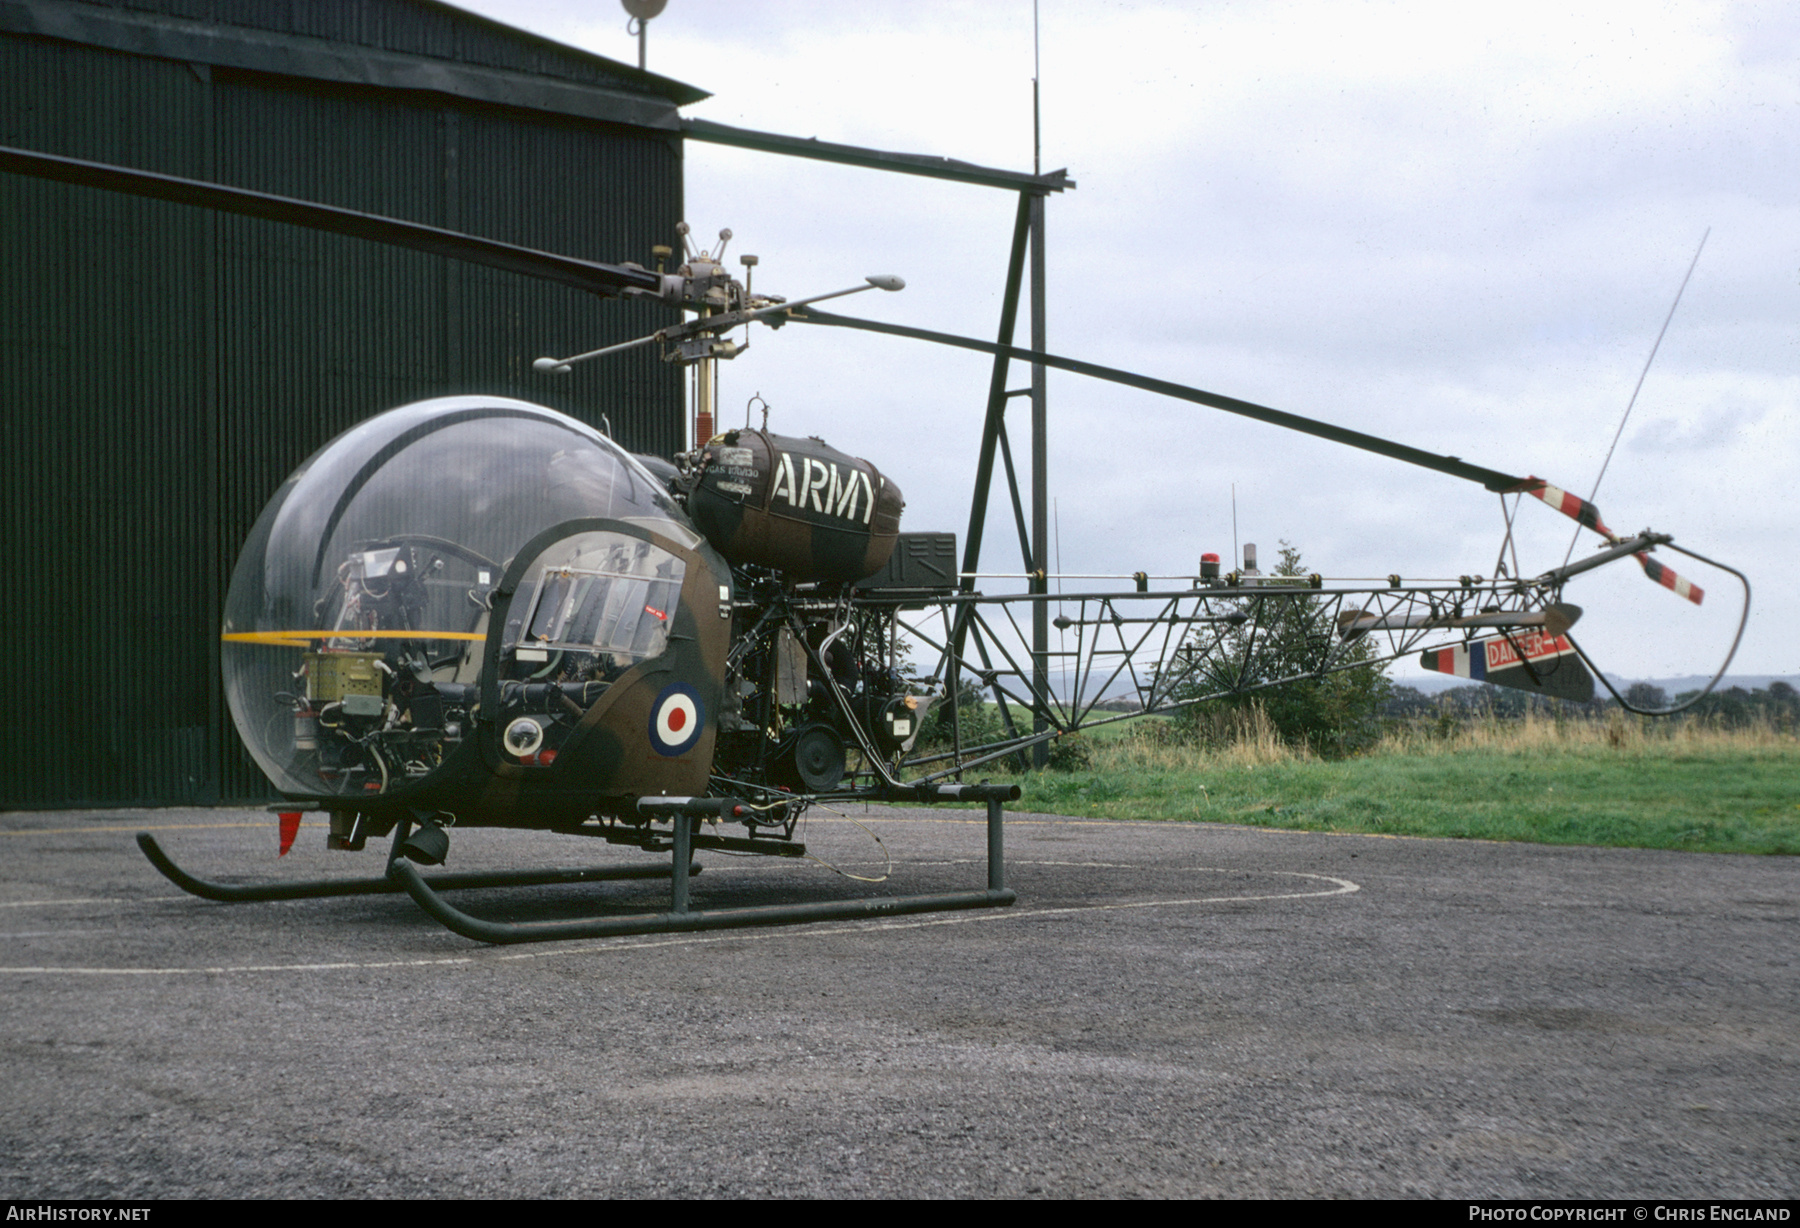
<point>163,368</point>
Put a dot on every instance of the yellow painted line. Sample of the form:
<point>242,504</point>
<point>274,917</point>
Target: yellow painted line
<point>303,639</point>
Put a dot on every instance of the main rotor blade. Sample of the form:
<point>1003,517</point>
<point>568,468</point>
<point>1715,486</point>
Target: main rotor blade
<point>596,278</point>
<point>1453,465</point>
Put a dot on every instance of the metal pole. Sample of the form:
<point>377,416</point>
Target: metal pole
<point>996,845</point>
<point>1040,520</point>
<point>1012,488</point>
<point>991,431</point>
<point>996,406</point>
<point>684,853</point>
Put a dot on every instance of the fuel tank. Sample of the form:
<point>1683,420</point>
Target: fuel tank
<point>796,505</point>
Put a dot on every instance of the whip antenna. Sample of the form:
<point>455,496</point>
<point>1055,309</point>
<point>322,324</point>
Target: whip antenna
<point>1640,383</point>
<point>1037,129</point>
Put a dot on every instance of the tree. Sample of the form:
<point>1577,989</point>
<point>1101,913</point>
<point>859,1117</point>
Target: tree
<point>1735,707</point>
<point>978,720</point>
<point>1647,696</point>
<point>1332,714</point>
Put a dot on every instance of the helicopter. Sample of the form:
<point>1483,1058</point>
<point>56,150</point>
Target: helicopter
<point>475,611</point>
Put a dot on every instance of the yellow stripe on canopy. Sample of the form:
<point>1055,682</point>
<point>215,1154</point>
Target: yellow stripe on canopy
<point>304,639</point>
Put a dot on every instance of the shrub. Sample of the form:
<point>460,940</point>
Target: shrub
<point>1331,714</point>
<point>1071,753</point>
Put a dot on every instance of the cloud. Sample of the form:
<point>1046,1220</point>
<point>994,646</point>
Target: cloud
<point>1457,227</point>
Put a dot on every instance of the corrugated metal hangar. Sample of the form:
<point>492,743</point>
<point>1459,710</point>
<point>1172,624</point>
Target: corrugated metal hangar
<point>166,366</point>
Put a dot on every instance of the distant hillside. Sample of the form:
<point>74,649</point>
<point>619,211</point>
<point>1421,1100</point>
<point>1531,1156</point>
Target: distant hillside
<point>1433,685</point>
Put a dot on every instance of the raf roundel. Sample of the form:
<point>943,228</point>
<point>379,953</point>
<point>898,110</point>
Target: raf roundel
<point>676,720</point>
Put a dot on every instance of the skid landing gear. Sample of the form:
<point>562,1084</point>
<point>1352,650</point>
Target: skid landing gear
<point>686,812</point>
<point>323,888</point>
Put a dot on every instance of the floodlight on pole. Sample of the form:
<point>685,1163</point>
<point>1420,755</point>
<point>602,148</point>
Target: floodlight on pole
<point>641,12</point>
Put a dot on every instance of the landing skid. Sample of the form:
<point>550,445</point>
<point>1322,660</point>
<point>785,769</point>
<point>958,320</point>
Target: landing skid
<point>686,814</point>
<point>323,888</point>
<point>507,932</point>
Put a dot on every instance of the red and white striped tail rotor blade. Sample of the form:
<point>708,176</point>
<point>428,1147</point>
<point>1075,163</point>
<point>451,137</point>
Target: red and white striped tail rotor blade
<point>1666,577</point>
<point>1586,514</point>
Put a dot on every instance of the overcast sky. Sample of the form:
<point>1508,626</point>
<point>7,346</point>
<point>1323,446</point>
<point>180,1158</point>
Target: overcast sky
<point>1456,227</point>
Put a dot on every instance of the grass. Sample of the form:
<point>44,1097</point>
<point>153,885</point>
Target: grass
<point>1622,783</point>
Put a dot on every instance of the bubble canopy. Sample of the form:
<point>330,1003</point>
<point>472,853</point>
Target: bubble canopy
<point>360,603</point>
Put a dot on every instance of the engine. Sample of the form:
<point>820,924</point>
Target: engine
<point>811,684</point>
<point>814,684</point>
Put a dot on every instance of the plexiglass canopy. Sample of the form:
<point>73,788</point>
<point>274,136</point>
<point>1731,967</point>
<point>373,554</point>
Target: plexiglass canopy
<point>356,620</point>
